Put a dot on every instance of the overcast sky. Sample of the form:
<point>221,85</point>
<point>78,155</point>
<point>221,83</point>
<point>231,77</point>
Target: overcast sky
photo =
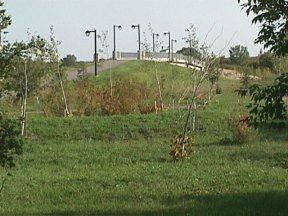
<point>222,19</point>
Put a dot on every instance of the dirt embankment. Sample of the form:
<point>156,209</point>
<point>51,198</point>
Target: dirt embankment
<point>233,74</point>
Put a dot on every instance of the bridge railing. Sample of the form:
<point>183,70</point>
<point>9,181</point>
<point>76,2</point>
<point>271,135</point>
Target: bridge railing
<point>157,56</point>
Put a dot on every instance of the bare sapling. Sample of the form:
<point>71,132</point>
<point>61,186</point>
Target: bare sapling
<point>210,69</point>
<point>105,45</point>
<point>207,69</point>
<point>24,104</point>
<point>147,50</point>
<point>67,112</point>
<point>54,58</point>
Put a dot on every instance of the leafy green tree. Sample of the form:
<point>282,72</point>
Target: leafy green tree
<point>69,60</point>
<point>10,137</point>
<point>239,55</point>
<point>267,102</point>
<point>5,20</point>
<point>272,15</point>
<point>29,71</point>
<point>32,57</point>
<point>5,58</point>
<point>266,60</point>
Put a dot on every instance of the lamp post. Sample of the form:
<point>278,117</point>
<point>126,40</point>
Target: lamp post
<point>139,42</point>
<point>95,45</point>
<point>172,41</point>
<point>114,27</point>
<point>157,35</point>
<point>169,35</point>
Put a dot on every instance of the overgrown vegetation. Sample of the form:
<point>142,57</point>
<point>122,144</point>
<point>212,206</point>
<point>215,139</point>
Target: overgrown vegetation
<point>119,165</point>
<point>111,159</point>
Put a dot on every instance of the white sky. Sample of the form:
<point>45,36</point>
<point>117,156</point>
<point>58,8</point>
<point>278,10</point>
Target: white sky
<point>71,18</point>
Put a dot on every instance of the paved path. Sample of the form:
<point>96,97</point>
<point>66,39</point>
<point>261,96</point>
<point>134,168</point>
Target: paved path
<point>101,67</point>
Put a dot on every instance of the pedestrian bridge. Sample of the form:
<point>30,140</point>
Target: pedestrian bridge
<point>176,58</point>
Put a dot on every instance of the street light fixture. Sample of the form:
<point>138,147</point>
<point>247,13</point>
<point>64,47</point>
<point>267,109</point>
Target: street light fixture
<point>169,35</point>
<point>139,42</point>
<point>172,41</point>
<point>114,27</point>
<point>95,47</point>
<point>157,35</point>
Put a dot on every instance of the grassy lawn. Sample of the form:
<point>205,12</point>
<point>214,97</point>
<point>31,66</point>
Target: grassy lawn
<point>120,165</point>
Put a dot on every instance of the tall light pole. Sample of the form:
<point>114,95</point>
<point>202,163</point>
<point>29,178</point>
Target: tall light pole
<point>95,47</point>
<point>168,33</point>
<point>172,41</point>
<point>157,35</point>
<point>114,27</point>
<point>139,42</point>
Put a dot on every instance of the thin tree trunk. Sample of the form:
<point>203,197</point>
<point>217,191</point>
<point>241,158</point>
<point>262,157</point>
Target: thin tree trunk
<point>194,117</point>
<point>67,112</point>
<point>210,93</point>
<point>192,104</point>
<point>24,104</point>
<point>159,90</point>
<point>111,83</point>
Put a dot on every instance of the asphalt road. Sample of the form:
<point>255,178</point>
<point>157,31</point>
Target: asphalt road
<point>101,67</point>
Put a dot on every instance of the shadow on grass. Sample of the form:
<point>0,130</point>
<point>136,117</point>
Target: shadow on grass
<point>274,132</point>
<point>264,203</point>
<point>271,132</point>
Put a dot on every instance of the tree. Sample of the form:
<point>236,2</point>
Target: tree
<point>5,20</point>
<point>267,102</point>
<point>28,72</point>
<point>55,62</point>
<point>69,60</point>
<point>210,70</point>
<point>273,17</point>
<point>5,58</point>
<point>239,55</point>
<point>192,40</point>
<point>195,54</point>
<point>10,137</point>
<point>266,60</point>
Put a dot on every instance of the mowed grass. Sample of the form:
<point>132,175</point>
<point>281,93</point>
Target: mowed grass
<point>120,165</point>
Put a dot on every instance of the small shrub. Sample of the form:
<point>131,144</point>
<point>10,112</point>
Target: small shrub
<point>182,147</point>
<point>242,131</point>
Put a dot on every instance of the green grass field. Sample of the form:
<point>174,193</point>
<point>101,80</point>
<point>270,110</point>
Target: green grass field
<point>120,165</point>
